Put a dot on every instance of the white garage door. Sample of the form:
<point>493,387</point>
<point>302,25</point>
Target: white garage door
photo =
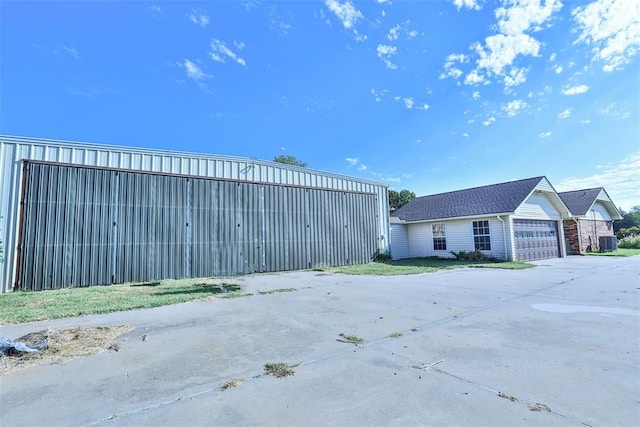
<point>536,239</point>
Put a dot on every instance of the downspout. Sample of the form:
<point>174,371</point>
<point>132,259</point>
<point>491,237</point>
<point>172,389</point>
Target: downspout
<point>504,237</point>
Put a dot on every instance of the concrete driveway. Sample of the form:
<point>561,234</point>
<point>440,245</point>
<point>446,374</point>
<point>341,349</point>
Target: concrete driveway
<point>478,347</point>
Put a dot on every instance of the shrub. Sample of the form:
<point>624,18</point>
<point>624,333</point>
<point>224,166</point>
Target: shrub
<point>383,257</point>
<point>628,232</point>
<point>630,242</point>
<point>470,256</point>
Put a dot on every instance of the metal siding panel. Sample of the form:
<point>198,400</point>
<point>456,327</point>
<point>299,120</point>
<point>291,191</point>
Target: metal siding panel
<point>298,238</point>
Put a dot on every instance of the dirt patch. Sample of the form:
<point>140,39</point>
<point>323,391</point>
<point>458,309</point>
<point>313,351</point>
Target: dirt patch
<point>64,344</point>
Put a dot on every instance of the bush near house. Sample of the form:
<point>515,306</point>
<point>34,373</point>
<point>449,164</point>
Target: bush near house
<point>472,256</point>
<point>630,242</point>
<point>626,232</point>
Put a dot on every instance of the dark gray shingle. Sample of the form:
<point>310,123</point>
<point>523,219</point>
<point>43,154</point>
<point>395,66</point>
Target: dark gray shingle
<point>489,199</point>
<point>580,201</point>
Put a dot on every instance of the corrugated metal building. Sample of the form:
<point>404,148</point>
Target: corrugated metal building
<point>77,214</point>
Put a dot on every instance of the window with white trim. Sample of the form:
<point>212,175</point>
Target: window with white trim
<point>481,235</point>
<point>439,237</point>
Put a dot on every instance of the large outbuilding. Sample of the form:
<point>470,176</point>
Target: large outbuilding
<point>79,214</point>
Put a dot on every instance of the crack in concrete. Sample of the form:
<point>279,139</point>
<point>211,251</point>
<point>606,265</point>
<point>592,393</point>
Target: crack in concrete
<point>216,390</point>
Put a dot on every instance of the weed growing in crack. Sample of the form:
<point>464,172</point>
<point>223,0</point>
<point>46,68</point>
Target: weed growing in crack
<point>279,370</point>
<point>351,339</point>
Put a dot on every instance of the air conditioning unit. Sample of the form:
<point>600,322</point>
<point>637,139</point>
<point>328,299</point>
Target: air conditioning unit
<point>608,243</point>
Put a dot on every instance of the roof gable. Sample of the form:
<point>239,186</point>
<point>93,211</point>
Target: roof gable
<point>500,198</point>
<point>580,202</point>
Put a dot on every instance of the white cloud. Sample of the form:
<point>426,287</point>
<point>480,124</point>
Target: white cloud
<point>220,52</point>
<point>194,72</point>
<point>620,181</point>
<point>383,1</point>
<point>515,77</point>
<point>523,15</point>
<point>545,134</point>
<point>612,29</point>
<point>346,12</point>
<point>385,52</point>
<point>474,78</point>
<point>157,11</point>
<point>67,50</point>
<point>585,121</point>
<point>614,110</point>
<point>408,102</point>
<point>489,121</point>
<point>575,90</point>
<point>514,107</point>
<point>394,33</point>
<point>497,55</point>
<point>476,95</point>
<point>199,18</point>
<point>558,69</point>
<point>469,4</point>
<point>565,114</point>
<point>450,69</point>
<point>354,161</point>
<point>501,50</point>
<point>552,57</point>
<point>466,135</point>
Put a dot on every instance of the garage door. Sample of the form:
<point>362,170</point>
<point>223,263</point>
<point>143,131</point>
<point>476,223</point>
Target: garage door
<point>536,239</point>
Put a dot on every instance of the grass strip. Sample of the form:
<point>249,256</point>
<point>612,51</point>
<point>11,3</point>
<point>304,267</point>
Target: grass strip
<point>419,265</point>
<point>621,252</point>
<point>19,307</point>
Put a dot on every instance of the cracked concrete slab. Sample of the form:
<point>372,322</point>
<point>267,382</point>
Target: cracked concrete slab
<point>487,355</point>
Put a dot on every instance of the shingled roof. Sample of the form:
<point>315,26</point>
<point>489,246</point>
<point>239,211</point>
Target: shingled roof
<point>580,201</point>
<point>489,199</point>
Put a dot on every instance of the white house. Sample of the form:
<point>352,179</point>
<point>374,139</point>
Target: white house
<point>516,220</point>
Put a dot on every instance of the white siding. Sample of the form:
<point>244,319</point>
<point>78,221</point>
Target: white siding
<point>599,212</point>
<point>419,237</point>
<point>399,242</point>
<point>545,185</point>
<point>459,235</point>
<point>537,206</point>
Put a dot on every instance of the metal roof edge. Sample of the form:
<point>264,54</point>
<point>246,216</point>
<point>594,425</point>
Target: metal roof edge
<point>160,151</point>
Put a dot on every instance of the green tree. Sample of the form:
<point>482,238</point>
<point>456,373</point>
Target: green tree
<point>629,219</point>
<point>399,199</point>
<point>289,160</point>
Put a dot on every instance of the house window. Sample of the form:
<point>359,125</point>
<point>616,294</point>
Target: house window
<point>439,238</point>
<point>481,235</point>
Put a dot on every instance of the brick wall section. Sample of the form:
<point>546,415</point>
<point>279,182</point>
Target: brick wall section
<point>590,232</point>
<point>571,234</point>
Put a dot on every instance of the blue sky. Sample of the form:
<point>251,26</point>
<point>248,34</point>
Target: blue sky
<point>427,96</point>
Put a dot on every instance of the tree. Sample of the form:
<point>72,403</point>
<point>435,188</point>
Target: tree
<point>289,160</point>
<point>629,219</point>
<point>399,199</point>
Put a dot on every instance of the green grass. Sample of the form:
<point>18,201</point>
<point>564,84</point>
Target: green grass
<point>277,291</point>
<point>351,339</point>
<point>279,370</point>
<point>419,265</point>
<point>620,252</point>
<point>19,307</point>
